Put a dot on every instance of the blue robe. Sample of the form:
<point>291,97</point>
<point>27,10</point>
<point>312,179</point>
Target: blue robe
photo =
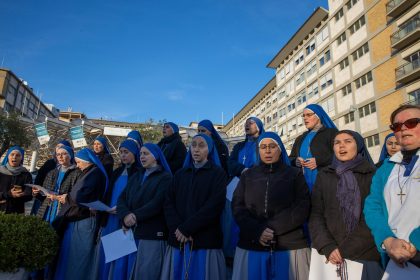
<point>305,153</point>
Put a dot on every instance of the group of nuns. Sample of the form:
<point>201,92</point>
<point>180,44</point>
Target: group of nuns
<point>188,222</point>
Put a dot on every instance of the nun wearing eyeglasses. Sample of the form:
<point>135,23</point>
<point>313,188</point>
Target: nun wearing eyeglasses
<point>140,208</point>
<point>13,177</point>
<point>313,149</point>
<point>109,221</point>
<point>59,181</point>
<point>77,222</point>
<point>270,205</point>
<point>100,147</point>
<point>389,148</point>
<point>337,225</point>
<point>172,146</point>
<point>207,127</point>
<point>193,208</point>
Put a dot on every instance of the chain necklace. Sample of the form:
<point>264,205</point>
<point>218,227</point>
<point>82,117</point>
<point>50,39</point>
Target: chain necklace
<point>402,194</point>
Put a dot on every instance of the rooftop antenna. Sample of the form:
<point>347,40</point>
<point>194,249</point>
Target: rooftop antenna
<point>2,61</point>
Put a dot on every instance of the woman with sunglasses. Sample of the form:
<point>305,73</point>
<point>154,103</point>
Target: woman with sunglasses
<point>270,205</point>
<point>313,149</point>
<point>392,207</point>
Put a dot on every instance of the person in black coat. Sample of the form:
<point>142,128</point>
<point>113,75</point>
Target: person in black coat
<point>100,147</point>
<point>270,206</point>
<point>140,207</point>
<point>313,149</point>
<point>206,127</point>
<point>76,223</point>
<point>172,146</point>
<point>13,177</point>
<point>193,208</point>
<point>337,226</point>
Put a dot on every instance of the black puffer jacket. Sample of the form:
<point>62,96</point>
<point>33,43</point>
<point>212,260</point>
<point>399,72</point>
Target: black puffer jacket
<point>321,147</point>
<point>8,203</point>
<point>174,150</point>
<point>326,224</point>
<point>271,196</point>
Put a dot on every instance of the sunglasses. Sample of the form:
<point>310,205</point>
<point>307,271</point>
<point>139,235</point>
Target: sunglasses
<point>410,123</point>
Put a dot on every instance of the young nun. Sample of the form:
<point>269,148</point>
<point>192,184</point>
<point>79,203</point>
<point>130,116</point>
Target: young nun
<point>78,223</point>
<point>59,180</point>
<point>337,225</point>
<point>140,208</point>
<point>313,149</point>
<point>244,155</point>
<point>207,127</point>
<point>100,147</point>
<point>110,222</point>
<point>270,205</point>
<point>389,148</point>
<point>193,207</point>
<point>172,146</point>
<point>13,177</point>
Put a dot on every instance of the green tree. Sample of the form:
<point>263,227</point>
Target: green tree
<point>151,131</point>
<point>12,132</point>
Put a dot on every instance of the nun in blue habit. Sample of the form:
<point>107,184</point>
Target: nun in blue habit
<point>140,208</point>
<point>101,149</point>
<point>270,205</point>
<point>313,149</point>
<point>109,221</point>
<point>207,127</point>
<point>135,136</point>
<point>243,156</point>
<point>389,148</point>
<point>77,223</point>
<point>193,209</point>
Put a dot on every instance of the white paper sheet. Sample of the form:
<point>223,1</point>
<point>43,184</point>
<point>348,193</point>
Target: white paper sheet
<point>43,190</point>
<point>118,244</point>
<point>231,188</point>
<point>320,270</point>
<point>394,272</point>
<point>97,205</point>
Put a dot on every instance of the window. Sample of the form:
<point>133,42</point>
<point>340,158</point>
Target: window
<point>414,97</point>
<point>367,110</point>
<point>288,67</point>
<point>339,15</point>
<point>311,68</point>
<point>357,25</point>
<point>360,52</point>
<point>275,115</point>
<point>328,105</point>
<point>341,38</point>
<point>282,74</point>
<point>311,47</point>
<point>300,78</point>
<point>363,80</point>
<point>313,90</point>
<point>351,3</point>
<point>322,35</point>
<point>344,63</point>
<point>301,98</point>
<point>291,106</point>
<point>282,112</point>
<point>349,118</point>
<point>346,90</point>
<point>326,80</point>
<point>289,87</point>
<point>299,58</point>
<point>372,140</point>
<point>282,92</point>
<point>325,58</point>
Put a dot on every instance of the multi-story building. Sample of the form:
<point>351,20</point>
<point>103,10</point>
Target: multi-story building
<point>359,61</point>
<point>17,96</point>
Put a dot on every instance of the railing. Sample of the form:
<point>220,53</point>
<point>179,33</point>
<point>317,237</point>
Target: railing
<point>392,4</point>
<point>408,28</point>
<point>407,68</point>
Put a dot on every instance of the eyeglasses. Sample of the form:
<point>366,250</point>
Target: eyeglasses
<point>271,146</point>
<point>61,155</point>
<point>308,115</point>
<point>410,123</point>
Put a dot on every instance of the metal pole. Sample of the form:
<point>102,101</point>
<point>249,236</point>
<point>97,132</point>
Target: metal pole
<point>34,159</point>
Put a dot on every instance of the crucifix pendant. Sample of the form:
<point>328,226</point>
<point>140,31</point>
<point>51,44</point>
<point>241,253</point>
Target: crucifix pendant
<point>401,194</point>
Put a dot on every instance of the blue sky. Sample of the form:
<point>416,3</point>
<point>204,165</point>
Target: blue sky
<point>182,60</point>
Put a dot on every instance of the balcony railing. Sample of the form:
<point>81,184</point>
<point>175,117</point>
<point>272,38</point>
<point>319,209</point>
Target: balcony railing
<point>407,29</point>
<point>396,7</point>
<point>407,68</point>
<point>392,4</point>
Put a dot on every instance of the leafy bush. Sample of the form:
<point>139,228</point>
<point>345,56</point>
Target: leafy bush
<point>25,241</point>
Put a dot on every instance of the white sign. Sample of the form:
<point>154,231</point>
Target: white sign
<point>77,136</point>
<point>116,131</point>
